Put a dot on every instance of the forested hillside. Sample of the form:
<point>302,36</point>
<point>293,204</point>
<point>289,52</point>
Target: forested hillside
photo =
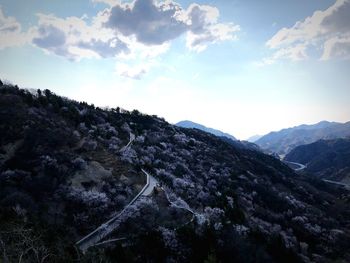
<point>64,170</point>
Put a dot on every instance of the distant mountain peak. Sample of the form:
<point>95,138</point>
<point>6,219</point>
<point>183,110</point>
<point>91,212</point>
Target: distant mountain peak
<point>319,125</point>
<point>254,138</point>
<point>283,141</point>
<point>194,125</point>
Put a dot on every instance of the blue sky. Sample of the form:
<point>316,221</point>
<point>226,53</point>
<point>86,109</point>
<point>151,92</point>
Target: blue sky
<point>245,67</point>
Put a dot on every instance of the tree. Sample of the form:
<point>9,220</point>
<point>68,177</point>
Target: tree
<point>23,244</point>
<point>47,93</point>
<point>211,258</point>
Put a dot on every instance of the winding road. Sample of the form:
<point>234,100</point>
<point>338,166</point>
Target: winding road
<point>127,146</point>
<point>299,166</point>
<point>94,238</point>
<point>152,183</point>
<point>106,228</point>
<point>302,167</point>
<point>346,186</point>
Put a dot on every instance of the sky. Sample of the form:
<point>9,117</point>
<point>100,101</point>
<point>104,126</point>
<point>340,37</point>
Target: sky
<point>245,67</point>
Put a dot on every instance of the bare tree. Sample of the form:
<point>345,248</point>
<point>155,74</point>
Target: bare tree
<point>22,244</point>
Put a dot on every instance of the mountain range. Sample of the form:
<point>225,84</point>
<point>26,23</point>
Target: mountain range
<point>328,159</point>
<point>254,138</point>
<point>193,125</point>
<point>224,136</point>
<point>283,141</point>
<point>128,187</point>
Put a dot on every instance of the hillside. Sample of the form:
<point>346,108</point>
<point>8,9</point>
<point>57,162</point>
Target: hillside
<point>193,125</point>
<point>254,138</point>
<point>67,167</point>
<point>282,142</point>
<point>224,136</point>
<point>328,159</point>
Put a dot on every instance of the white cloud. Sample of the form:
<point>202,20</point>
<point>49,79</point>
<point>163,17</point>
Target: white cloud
<point>74,39</point>
<point>108,2</point>
<point>294,53</point>
<point>77,53</point>
<point>149,22</point>
<point>337,47</point>
<point>134,71</point>
<point>144,27</point>
<point>140,51</point>
<point>8,24</point>
<point>156,23</point>
<point>10,32</point>
<point>204,28</point>
<point>212,34</point>
<point>328,30</point>
<point>137,30</point>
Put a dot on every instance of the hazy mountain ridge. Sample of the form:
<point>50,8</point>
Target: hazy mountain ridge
<point>328,159</point>
<point>285,140</point>
<point>64,171</point>
<point>191,124</point>
<point>254,138</point>
<point>224,136</point>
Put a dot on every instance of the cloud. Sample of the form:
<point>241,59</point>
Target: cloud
<point>151,23</point>
<point>155,23</point>
<point>133,72</point>
<point>338,18</point>
<point>10,32</point>
<point>107,2</point>
<point>337,47</point>
<point>49,36</point>
<point>143,28</point>
<point>74,39</point>
<point>204,28</point>
<point>110,48</point>
<point>137,30</point>
<point>328,31</point>
<point>8,24</point>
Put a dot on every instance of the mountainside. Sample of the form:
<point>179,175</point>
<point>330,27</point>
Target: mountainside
<point>190,124</point>
<point>241,144</point>
<point>67,167</point>
<point>224,136</point>
<point>254,138</point>
<point>282,142</point>
<point>329,159</point>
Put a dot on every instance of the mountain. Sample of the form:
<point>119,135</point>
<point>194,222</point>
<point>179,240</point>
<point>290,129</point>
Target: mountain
<point>328,159</point>
<point>193,125</point>
<point>254,138</point>
<point>241,144</point>
<point>224,136</point>
<point>128,187</point>
<point>282,142</point>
